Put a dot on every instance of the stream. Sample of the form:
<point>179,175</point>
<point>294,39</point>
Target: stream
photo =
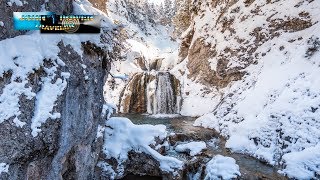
<point>182,127</point>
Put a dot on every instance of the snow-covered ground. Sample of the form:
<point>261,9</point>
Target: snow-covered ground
<point>273,112</point>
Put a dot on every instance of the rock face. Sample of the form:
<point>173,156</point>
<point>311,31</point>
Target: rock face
<point>7,9</point>
<point>67,147</point>
<point>220,42</point>
<point>81,114</point>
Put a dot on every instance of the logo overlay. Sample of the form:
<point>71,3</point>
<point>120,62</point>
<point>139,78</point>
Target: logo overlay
<point>49,22</point>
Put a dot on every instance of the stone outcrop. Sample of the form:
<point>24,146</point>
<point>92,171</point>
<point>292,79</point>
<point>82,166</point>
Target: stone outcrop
<point>67,147</point>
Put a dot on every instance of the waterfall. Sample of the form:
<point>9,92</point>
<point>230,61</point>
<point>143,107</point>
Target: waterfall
<point>165,100</point>
<point>152,93</point>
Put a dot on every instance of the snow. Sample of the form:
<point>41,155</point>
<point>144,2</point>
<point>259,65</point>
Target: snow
<point>157,1</point>
<point>207,121</point>
<point>1,23</point>
<point>303,164</point>
<point>192,107</point>
<point>122,136</point>
<point>272,113</point>
<point>4,168</point>
<point>107,168</point>
<point>18,123</point>
<point>123,77</point>
<point>221,167</point>
<point>100,131</point>
<point>45,100</point>
<point>23,55</point>
<point>108,108</point>
<point>16,2</point>
<point>193,148</point>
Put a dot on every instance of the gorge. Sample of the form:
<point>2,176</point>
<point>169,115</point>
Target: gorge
<point>171,89</point>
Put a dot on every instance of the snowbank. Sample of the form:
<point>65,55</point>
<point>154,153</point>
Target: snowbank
<point>222,167</point>
<point>193,148</point>
<point>304,164</point>
<point>122,136</point>
<point>207,121</point>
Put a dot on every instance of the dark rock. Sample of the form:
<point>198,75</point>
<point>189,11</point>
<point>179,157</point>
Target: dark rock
<point>67,147</point>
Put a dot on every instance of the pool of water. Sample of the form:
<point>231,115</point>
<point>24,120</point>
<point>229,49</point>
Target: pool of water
<point>174,122</point>
<point>251,168</point>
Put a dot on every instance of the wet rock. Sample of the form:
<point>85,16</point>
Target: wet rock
<point>192,135</point>
<point>139,164</point>
<point>100,4</point>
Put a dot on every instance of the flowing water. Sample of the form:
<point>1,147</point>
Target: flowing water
<point>250,167</point>
<point>165,99</point>
<point>152,93</point>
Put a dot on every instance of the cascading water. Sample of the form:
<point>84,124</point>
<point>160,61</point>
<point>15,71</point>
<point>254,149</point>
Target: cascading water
<point>152,93</point>
<point>165,100</point>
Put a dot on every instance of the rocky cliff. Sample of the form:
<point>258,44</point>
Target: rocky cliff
<point>51,98</point>
<point>256,64</point>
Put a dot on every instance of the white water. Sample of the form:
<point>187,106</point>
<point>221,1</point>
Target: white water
<point>161,97</point>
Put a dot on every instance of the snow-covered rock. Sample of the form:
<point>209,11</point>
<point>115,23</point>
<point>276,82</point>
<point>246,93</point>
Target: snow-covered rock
<point>221,167</point>
<point>123,137</point>
<point>4,168</point>
<point>193,148</point>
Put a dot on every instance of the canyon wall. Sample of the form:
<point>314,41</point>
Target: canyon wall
<point>51,97</point>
